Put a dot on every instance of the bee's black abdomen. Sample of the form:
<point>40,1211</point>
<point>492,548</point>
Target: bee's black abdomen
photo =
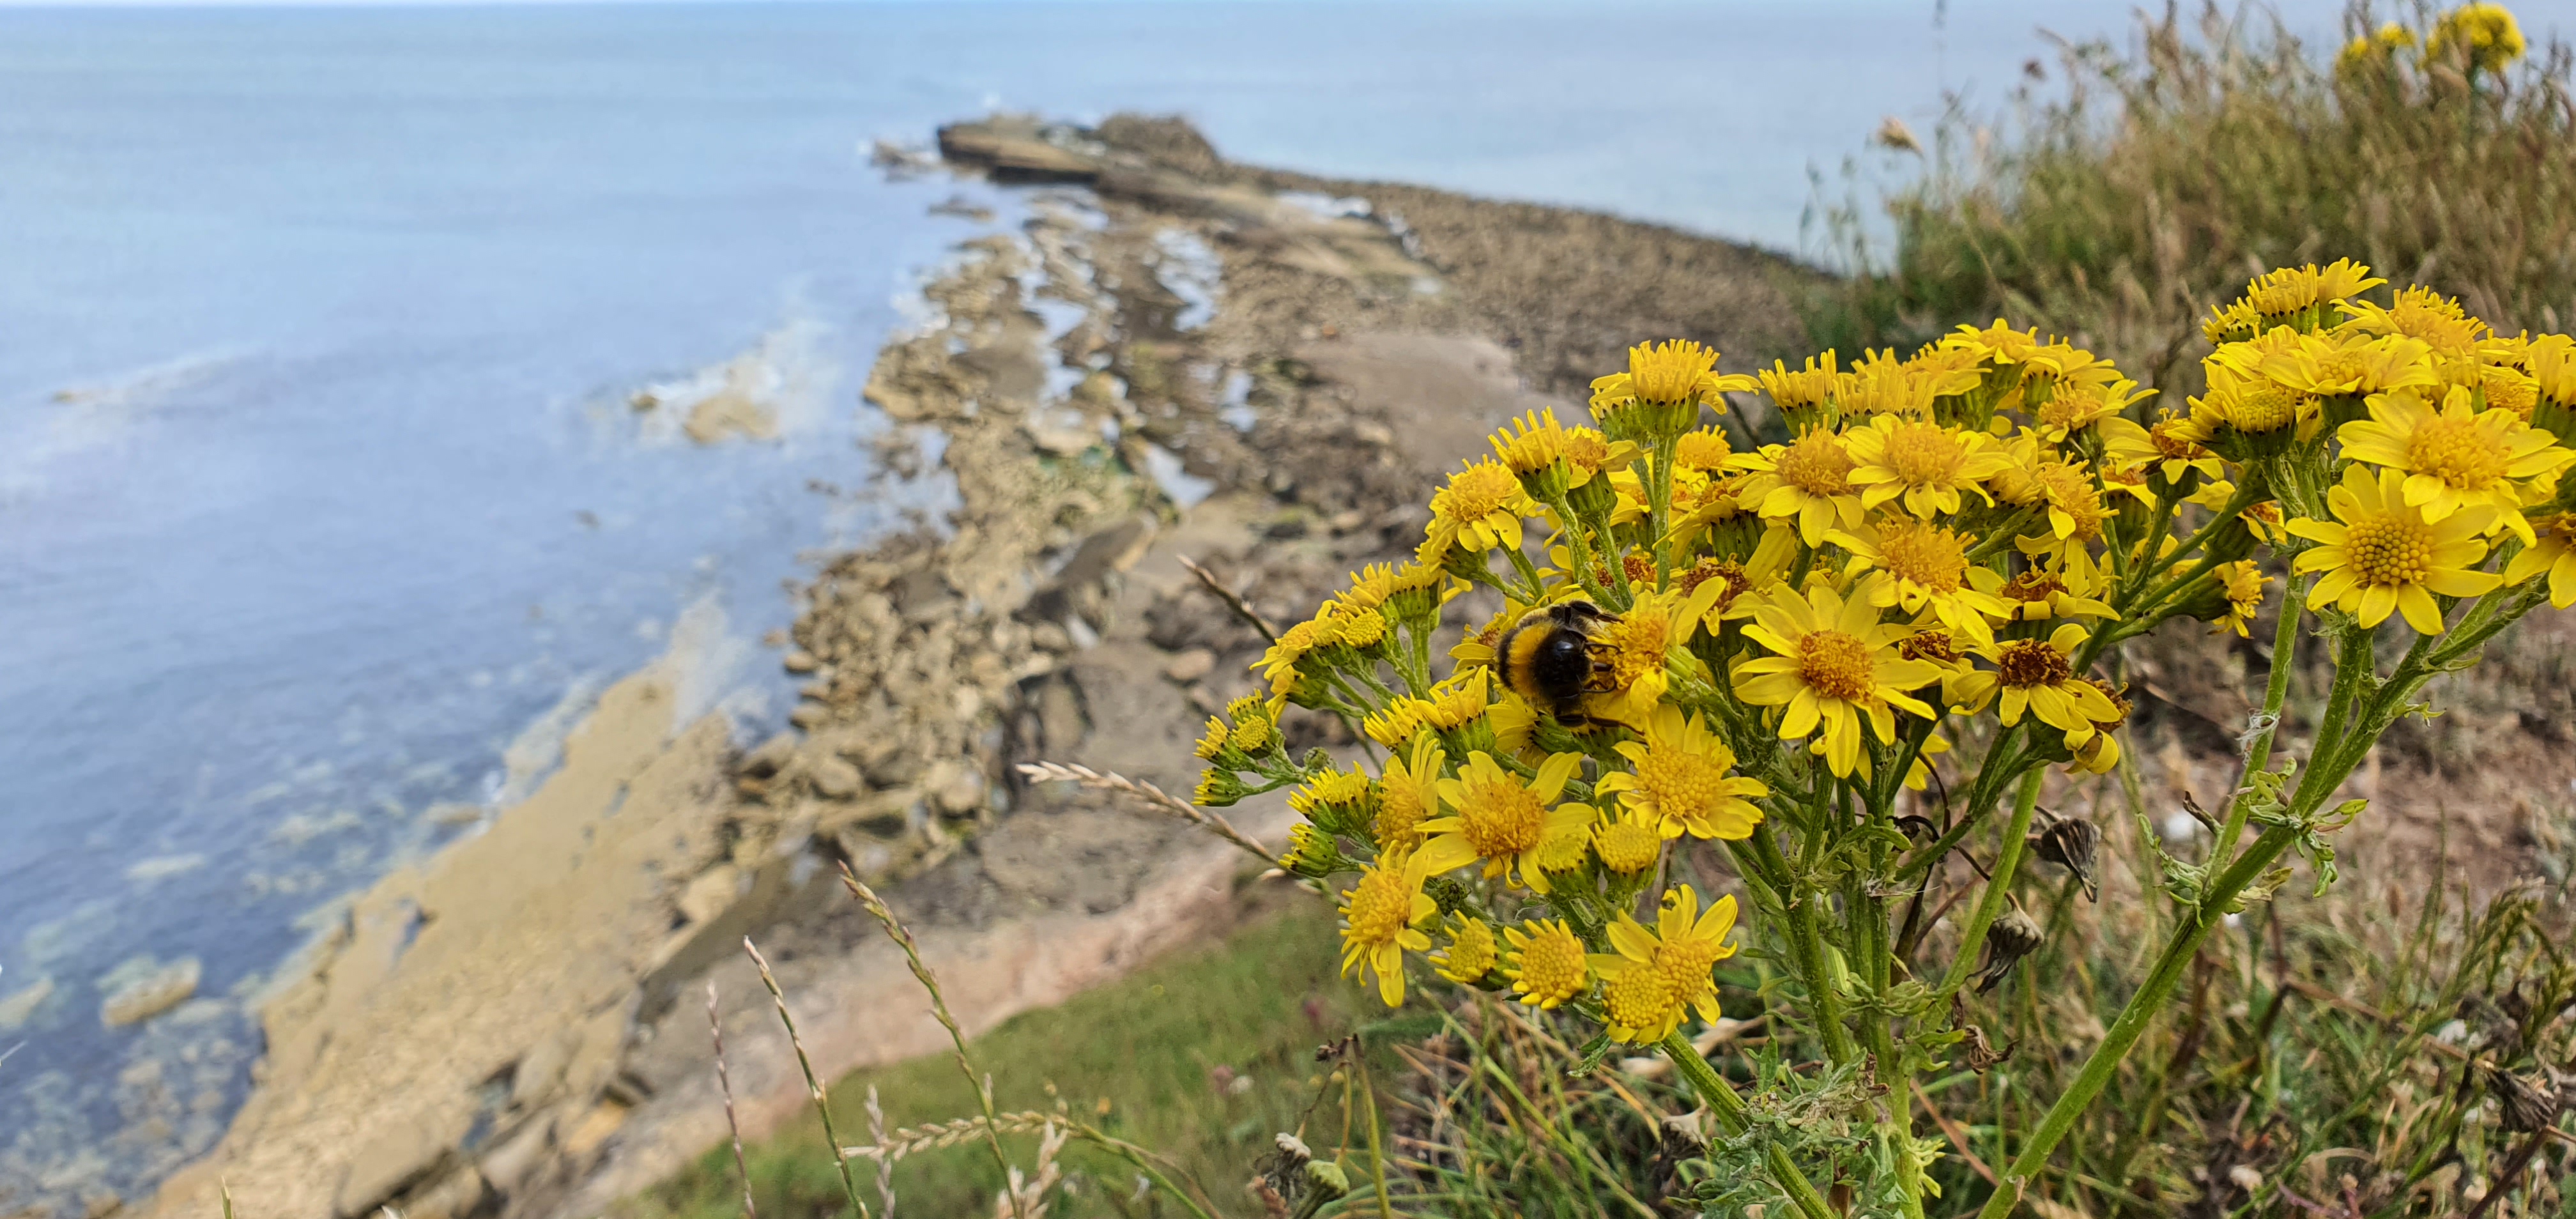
<point>1562,666</point>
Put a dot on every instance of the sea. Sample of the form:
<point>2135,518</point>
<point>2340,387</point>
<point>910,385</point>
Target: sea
<point>339,469</point>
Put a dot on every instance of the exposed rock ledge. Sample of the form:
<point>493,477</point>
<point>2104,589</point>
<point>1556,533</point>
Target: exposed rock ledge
<point>1261,371</point>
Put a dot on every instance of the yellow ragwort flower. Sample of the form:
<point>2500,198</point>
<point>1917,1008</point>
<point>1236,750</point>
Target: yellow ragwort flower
<point>2419,313</point>
<point>1409,795</point>
<point>1658,975</point>
<point>2036,478</point>
<point>1531,443</point>
<point>1672,373</point>
<point>2380,554</point>
<point>1480,509</point>
<point>1704,449</point>
<point>1395,723</point>
<point>1214,741</point>
<point>2070,587</point>
<point>2348,364</point>
<point>2554,553</point>
<point>2455,457</point>
<point>1680,781</point>
<point>1834,664</point>
<point>2243,583</point>
<point>1503,820</point>
<point>1628,843</point>
<point>1807,481</point>
<point>1920,565</point>
<point>1471,954</point>
<point>1799,393</point>
<point>2037,676</point>
<point>1922,463</point>
<point>1546,963</point>
<point>1639,643</point>
<point>2164,446</point>
<point>2483,35</point>
<point>1382,917</point>
<point>2289,290</point>
<point>2375,48</point>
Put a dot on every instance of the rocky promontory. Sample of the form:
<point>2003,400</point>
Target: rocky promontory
<point>1167,360</point>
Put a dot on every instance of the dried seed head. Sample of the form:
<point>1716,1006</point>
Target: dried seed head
<point>1685,1138</point>
<point>2011,938</point>
<point>2530,1102</point>
<point>2069,842</point>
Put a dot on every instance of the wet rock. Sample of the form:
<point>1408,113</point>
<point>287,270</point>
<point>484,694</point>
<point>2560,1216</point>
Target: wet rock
<point>455,1196</point>
<point>809,716</point>
<point>772,756</point>
<point>708,895</point>
<point>958,789</point>
<point>836,778</point>
<point>396,1157</point>
<point>800,661</point>
<point>148,991</point>
<point>21,1005</point>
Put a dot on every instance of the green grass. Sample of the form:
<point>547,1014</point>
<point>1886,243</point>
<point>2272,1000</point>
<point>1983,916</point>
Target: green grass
<point>1148,1047</point>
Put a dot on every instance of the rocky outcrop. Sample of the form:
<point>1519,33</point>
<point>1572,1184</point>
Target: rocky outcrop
<point>1171,358</point>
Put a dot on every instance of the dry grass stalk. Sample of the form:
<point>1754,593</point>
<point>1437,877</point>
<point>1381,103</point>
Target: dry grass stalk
<point>877,1131</point>
<point>724,1084</point>
<point>813,1085</point>
<point>1233,600</point>
<point>902,936</point>
<point>1213,822</point>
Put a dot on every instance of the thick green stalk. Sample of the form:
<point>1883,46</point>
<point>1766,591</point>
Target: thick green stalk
<point>2133,1019</point>
<point>1806,946</point>
<point>1660,502</point>
<point>1990,904</point>
<point>1729,1108</point>
<point>2258,744</point>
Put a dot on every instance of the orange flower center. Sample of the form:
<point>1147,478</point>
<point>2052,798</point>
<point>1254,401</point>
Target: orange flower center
<point>1552,965</point>
<point>1381,907</point>
<point>1638,999</point>
<point>1476,492</point>
<point>2458,451</point>
<point>1681,783</point>
<point>2265,408</point>
<point>1924,452</point>
<point>1627,847</point>
<point>1639,640</point>
<point>1926,554</point>
<point>1500,817</point>
<point>2032,662</point>
<point>2390,548</point>
<point>1835,665</point>
<point>1816,464</point>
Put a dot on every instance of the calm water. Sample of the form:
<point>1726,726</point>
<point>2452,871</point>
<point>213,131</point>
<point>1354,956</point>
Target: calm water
<point>318,489</point>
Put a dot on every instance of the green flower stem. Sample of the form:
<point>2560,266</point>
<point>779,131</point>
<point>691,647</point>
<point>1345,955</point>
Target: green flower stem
<point>1806,945</point>
<point>1659,497</point>
<point>1580,548</point>
<point>1722,1101</point>
<point>2133,1019</point>
<point>1529,571</point>
<point>1990,904</point>
<point>2003,760</point>
<point>2276,690</point>
<point>2246,494</point>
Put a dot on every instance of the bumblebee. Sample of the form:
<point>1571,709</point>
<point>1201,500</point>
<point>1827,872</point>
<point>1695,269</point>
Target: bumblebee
<point>1551,658</point>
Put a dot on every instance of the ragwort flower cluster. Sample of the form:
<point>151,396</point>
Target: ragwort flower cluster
<point>1752,611</point>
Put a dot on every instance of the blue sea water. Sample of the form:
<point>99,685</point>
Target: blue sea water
<point>318,484</point>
